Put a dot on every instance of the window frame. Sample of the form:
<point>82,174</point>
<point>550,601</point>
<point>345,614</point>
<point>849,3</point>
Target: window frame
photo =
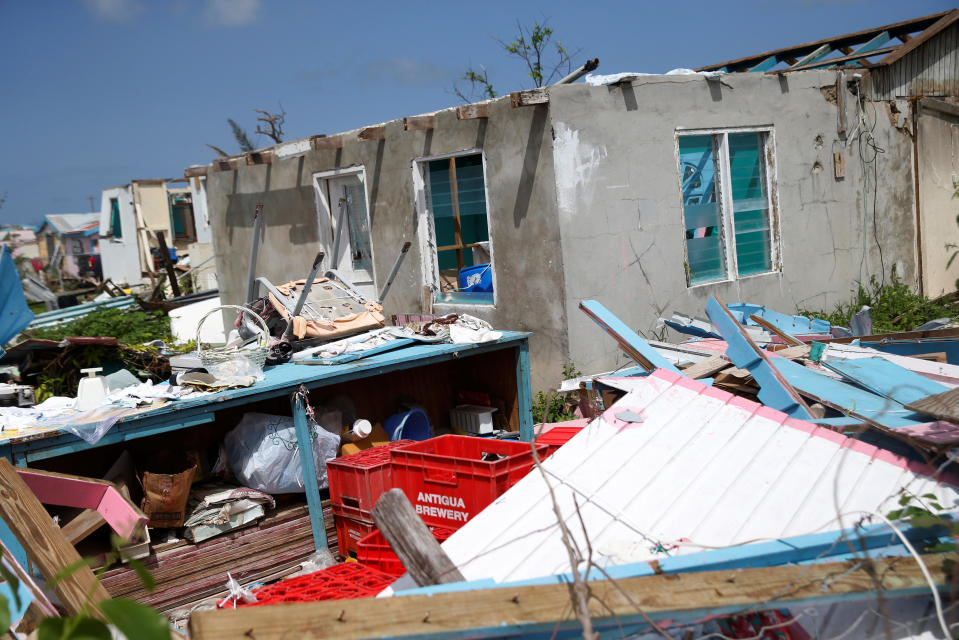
<point>426,231</point>
<point>720,137</point>
<point>324,207</point>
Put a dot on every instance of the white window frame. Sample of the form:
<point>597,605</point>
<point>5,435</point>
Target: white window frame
<point>426,232</point>
<point>725,199</point>
<point>323,208</point>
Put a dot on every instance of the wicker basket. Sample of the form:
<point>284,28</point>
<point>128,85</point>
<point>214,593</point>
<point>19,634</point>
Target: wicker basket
<point>255,352</point>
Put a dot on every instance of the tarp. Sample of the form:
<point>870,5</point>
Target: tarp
<point>15,314</point>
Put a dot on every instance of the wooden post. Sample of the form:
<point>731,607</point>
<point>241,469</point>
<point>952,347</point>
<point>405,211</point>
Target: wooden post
<point>45,544</point>
<point>457,225</point>
<point>165,256</point>
<point>304,442</point>
<point>412,542</point>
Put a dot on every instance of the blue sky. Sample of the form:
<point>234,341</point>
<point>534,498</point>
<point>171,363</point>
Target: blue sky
<point>96,93</point>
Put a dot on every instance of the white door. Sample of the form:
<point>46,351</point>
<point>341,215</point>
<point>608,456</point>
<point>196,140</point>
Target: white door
<point>341,209</point>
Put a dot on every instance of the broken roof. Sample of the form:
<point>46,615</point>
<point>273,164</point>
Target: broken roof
<point>879,46</point>
<point>698,469</point>
<point>72,223</point>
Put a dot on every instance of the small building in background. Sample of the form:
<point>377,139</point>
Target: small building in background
<point>21,242</point>
<point>68,243</point>
<point>132,219</point>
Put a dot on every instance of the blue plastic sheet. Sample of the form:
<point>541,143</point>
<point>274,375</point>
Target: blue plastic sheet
<point>15,314</point>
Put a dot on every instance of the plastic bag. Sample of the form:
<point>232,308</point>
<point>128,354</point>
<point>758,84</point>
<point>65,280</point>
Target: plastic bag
<point>263,453</point>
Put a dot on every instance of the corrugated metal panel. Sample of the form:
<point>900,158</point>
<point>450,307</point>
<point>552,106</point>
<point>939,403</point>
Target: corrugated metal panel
<point>931,70</point>
<point>704,469</point>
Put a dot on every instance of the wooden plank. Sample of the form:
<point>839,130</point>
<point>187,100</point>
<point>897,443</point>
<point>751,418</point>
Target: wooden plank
<point>886,379</point>
<point>377,132</point>
<point>839,165</point>
<point>45,545</point>
<point>774,390</point>
<point>529,98</point>
<point>517,610</point>
<point>472,111</point>
<point>412,541</point>
<point>947,19</point>
<point>260,157</point>
<point>708,367</point>
<point>308,464</point>
<point>196,172</point>
<point>794,353</point>
<point>627,339</point>
<point>942,406</point>
<point>168,264</point>
<point>418,123</point>
<point>326,142</point>
<point>832,61</point>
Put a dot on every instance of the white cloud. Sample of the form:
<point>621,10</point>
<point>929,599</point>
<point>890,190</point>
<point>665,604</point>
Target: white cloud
<point>232,13</point>
<point>115,10</point>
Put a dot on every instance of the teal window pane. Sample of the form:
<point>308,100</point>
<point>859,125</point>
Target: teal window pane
<point>704,236</point>
<point>747,177</point>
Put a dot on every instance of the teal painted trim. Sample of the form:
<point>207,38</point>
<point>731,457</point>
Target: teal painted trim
<point>818,54</point>
<point>774,389</point>
<point>766,64</point>
<point>886,379</point>
<point>279,381</point>
<point>304,443</point>
<point>524,393</point>
<point>13,545</point>
<point>619,331</point>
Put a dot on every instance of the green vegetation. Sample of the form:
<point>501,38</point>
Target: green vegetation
<point>129,326</point>
<point>132,619</point>
<point>894,306</point>
<point>550,407</point>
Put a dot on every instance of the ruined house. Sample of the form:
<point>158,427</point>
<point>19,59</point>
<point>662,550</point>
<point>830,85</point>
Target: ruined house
<point>782,179</point>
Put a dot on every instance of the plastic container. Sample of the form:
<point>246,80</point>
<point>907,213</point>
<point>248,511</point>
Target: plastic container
<point>356,481</point>
<point>350,530</point>
<point>451,478</point>
<point>374,551</point>
<point>472,418</point>
<point>557,437</point>
<point>92,390</point>
<point>478,278</point>
<point>339,582</point>
<point>409,425</point>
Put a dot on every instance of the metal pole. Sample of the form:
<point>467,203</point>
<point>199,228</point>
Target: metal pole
<point>254,250</point>
<point>579,73</point>
<point>303,294</point>
<point>396,267</point>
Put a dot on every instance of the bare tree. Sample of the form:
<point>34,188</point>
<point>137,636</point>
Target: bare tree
<point>274,121</point>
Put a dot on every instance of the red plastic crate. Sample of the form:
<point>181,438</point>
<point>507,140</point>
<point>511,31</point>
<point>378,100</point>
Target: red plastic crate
<point>356,481</point>
<point>350,530</point>
<point>448,480</point>
<point>339,582</point>
<point>557,437</point>
<point>374,551</point>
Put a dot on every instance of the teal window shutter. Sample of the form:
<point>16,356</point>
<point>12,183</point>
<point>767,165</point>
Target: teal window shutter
<point>701,211</point>
<point>747,168</point>
<point>116,230</point>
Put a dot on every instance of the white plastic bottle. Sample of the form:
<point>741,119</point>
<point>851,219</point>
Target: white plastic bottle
<point>92,390</point>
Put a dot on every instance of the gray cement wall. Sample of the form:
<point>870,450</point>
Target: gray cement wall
<point>620,202</point>
<point>521,204</point>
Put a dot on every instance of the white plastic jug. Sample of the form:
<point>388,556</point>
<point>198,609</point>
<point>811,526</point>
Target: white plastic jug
<point>92,390</point>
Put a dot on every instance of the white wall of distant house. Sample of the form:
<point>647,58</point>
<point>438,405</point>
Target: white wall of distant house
<point>120,256</point>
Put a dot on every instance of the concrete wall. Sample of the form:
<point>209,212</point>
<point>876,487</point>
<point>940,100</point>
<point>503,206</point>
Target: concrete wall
<point>620,205</point>
<point>938,172</point>
<point>521,204</point>
<point>119,257</point>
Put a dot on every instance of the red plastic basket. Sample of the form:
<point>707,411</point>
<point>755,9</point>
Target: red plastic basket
<point>339,582</point>
<point>374,551</point>
<point>449,479</point>
<point>356,481</point>
<point>349,531</point>
<point>557,437</point>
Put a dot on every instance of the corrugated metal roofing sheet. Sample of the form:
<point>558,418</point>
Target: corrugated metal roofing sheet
<point>704,469</point>
<point>70,223</point>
